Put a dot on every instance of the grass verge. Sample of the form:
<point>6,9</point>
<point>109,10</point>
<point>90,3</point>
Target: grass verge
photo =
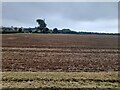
<point>60,80</point>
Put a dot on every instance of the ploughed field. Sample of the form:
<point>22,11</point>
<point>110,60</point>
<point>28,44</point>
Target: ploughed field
<point>60,52</point>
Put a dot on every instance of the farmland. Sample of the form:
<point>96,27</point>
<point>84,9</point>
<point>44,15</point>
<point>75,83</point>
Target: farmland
<point>60,79</point>
<point>60,53</point>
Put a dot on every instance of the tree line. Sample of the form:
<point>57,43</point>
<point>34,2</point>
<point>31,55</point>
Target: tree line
<point>42,28</point>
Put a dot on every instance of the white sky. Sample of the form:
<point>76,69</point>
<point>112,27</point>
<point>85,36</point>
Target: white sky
<point>79,16</point>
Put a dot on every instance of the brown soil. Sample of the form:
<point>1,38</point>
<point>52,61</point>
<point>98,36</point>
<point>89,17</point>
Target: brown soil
<point>46,52</point>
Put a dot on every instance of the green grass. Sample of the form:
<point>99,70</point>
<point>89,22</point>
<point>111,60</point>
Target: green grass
<point>60,79</point>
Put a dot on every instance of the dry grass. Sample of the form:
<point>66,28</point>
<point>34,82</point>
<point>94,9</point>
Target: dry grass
<point>60,79</point>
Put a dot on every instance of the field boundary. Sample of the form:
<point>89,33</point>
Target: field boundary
<point>60,79</point>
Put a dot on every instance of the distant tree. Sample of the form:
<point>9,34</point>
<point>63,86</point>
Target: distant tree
<point>45,30</point>
<point>30,30</point>
<point>16,28</point>
<point>66,31</point>
<point>12,28</point>
<point>20,30</point>
<point>41,23</point>
<point>55,30</point>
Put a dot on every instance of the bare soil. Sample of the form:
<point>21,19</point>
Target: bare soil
<point>48,52</point>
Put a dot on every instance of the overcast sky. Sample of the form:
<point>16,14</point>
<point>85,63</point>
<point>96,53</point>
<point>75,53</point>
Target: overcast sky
<point>82,16</point>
